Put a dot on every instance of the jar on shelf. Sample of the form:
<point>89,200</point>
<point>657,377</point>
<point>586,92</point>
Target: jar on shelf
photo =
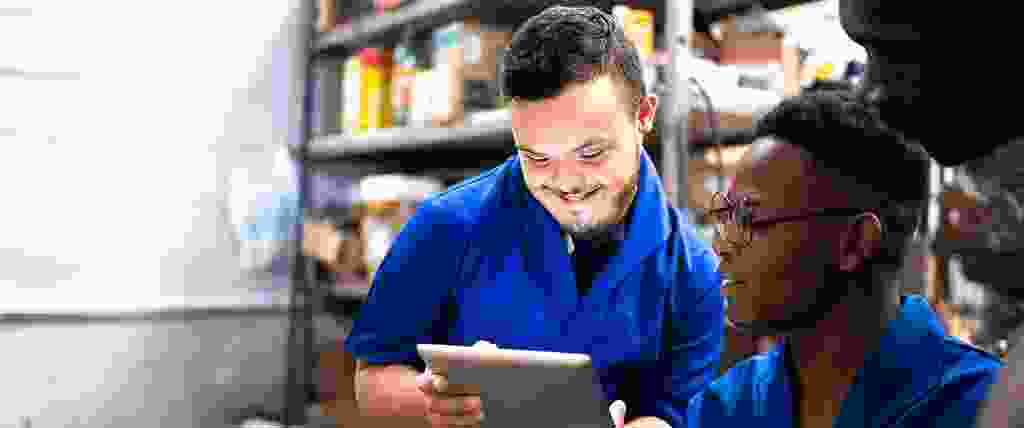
<point>384,203</point>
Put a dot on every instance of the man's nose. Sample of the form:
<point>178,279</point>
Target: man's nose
<point>568,178</point>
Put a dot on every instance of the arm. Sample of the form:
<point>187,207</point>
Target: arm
<point>408,304</point>
<point>694,332</point>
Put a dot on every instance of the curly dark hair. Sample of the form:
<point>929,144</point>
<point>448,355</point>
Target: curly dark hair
<point>846,136</point>
<point>564,45</point>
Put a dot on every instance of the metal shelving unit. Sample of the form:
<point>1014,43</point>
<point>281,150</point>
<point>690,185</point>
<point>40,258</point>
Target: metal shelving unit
<point>419,149</point>
<point>492,136</point>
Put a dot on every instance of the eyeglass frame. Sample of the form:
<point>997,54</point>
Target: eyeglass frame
<point>766,221</point>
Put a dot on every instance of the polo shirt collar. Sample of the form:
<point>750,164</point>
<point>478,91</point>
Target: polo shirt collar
<point>908,363</point>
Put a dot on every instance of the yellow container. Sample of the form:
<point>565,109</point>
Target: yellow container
<point>376,64</point>
<point>638,24</point>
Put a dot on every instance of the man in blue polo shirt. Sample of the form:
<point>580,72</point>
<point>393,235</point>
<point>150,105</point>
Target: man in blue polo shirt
<point>569,246</point>
<point>810,235</point>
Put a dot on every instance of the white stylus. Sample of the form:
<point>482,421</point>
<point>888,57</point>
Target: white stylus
<point>618,411</point>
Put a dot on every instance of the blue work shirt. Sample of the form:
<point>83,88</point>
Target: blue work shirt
<point>486,261</point>
<point>918,377</point>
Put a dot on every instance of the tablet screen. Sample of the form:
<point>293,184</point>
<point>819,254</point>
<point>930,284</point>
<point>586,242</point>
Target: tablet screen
<point>526,389</point>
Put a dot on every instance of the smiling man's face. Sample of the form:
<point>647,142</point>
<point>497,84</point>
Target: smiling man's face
<point>579,153</point>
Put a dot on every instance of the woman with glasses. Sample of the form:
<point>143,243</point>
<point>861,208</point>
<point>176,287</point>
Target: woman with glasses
<point>811,235</point>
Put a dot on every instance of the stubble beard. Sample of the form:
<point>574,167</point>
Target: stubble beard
<point>602,229</point>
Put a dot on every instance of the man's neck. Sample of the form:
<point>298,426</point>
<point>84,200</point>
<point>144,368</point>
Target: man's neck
<point>826,360</point>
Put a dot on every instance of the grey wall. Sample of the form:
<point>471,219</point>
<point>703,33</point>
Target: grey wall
<point>141,373</point>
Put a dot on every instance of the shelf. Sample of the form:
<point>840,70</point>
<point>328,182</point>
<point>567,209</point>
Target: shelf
<point>485,141</point>
<point>389,26</point>
<point>484,136</point>
<point>355,292</point>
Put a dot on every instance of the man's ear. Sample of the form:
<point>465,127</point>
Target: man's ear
<point>860,240</point>
<point>645,113</point>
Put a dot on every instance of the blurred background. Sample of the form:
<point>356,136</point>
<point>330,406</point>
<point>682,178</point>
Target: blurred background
<point>199,192</point>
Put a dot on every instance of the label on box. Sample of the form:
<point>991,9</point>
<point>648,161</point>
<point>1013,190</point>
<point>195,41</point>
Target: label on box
<point>353,85</point>
<point>473,53</point>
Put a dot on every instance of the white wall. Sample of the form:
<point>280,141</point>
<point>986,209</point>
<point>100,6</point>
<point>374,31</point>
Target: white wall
<point>116,147</point>
<point>116,166</point>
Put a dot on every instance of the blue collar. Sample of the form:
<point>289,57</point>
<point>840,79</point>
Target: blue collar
<point>907,364</point>
<point>545,249</point>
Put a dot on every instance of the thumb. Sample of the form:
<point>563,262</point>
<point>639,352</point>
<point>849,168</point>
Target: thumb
<point>425,381</point>
<point>618,411</point>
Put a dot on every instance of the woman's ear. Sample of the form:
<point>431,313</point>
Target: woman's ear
<point>860,240</point>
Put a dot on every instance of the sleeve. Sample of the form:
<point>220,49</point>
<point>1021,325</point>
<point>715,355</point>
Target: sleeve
<point>409,299</point>
<point>694,341</point>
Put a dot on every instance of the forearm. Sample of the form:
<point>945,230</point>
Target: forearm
<point>647,422</point>
<point>392,392</point>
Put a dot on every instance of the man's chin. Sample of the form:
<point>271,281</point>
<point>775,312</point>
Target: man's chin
<point>585,231</point>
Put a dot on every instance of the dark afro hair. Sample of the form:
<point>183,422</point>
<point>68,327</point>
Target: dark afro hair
<point>845,135</point>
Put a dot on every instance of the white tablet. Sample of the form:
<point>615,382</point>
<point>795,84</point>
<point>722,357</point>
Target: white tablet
<point>522,388</point>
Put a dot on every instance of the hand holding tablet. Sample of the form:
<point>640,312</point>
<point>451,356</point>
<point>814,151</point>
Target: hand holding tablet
<point>513,388</point>
<point>451,405</point>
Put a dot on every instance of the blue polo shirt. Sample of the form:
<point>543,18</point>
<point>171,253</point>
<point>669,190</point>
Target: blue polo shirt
<point>919,377</point>
<point>486,261</point>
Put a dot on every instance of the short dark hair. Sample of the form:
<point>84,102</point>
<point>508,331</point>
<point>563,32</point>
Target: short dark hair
<point>564,45</point>
<point>846,136</point>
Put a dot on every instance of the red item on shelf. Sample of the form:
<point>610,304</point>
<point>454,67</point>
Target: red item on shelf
<point>386,4</point>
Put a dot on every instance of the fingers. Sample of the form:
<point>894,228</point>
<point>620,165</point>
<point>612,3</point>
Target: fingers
<point>425,382</point>
<point>440,421</point>
<point>440,384</point>
<point>444,409</point>
<point>460,406</point>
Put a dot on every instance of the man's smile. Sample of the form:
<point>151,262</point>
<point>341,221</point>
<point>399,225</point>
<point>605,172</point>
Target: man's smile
<point>576,197</point>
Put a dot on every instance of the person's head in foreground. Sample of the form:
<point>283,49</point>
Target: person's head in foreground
<point>820,211</point>
<point>823,205</point>
<point>579,111</point>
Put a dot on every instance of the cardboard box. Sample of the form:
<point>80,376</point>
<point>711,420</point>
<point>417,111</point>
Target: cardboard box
<point>725,120</point>
<point>705,177</point>
<point>337,380</point>
<point>483,47</point>
<point>448,69</point>
<point>741,48</point>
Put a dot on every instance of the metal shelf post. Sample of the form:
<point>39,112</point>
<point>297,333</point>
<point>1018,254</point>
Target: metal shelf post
<point>675,153</point>
<point>300,306</point>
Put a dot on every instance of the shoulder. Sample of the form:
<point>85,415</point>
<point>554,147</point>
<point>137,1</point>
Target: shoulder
<point>465,203</point>
<point>955,402</point>
<point>735,392</point>
<point>969,360</point>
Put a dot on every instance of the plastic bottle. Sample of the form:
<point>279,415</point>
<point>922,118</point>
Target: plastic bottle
<point>402,78</point>
<point>377,86</point>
